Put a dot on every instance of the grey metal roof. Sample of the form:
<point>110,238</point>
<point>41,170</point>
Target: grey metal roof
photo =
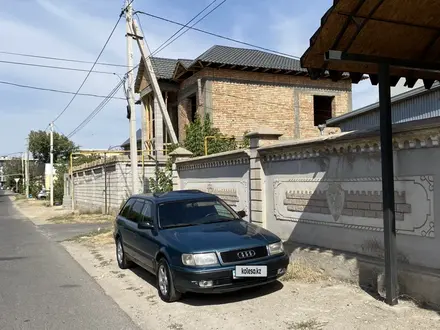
<point>164,67</point>
<point>372,107</point>
<point>138,138</point>
<point>248,57</point>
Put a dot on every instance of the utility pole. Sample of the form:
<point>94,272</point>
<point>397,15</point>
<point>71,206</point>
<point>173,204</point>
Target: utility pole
<point>153,80</point>
<point>26,167</point>
<point>51,164</point>
<point>130,96</point>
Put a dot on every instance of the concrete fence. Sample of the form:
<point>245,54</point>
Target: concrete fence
<point>104,184</point>
<point>325,194</point>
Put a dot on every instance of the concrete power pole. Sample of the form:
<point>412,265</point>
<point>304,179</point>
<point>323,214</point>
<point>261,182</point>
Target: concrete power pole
<point>130,95</point>
<point>51,164</point>
<point>26,167</point>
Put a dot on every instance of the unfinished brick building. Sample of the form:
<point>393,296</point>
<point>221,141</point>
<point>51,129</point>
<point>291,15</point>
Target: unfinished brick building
<point>241,90</point>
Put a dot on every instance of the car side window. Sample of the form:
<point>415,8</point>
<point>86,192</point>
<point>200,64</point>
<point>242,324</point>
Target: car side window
<point>147,213</point>
<point>126,210</point>
<point>136,211</point>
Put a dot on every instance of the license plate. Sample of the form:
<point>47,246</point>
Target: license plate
<point>249,271</point>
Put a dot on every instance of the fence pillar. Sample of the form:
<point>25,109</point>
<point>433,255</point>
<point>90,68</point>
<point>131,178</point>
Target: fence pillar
<point>176,155</point>
<point>257,139</point>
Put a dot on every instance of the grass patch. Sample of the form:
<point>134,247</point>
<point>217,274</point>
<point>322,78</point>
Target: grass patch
<point>96,237</point>
<point>81,218</point>
<point>305,325</point>
<point>303,271</point>
<point>99,237</point>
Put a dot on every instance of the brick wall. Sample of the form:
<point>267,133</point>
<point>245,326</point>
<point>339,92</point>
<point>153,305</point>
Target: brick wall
<point>243,101</point>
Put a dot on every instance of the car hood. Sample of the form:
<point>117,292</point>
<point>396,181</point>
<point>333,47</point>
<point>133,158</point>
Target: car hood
<point>218,236</point>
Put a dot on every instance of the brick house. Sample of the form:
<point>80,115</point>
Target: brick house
<point>241,90</point>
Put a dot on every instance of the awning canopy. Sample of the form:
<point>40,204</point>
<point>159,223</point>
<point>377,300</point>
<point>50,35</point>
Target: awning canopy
<point>403,33</point>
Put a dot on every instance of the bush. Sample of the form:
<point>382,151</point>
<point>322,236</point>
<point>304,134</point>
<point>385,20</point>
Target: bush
<point>195,138</point>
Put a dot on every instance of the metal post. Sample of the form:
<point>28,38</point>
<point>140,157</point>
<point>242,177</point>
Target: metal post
<point>72,188</point>
<point>130,95</point>
<point>26,168</point>
<point>105,184</point>
<point>389,220</point>
<point>51,164</point>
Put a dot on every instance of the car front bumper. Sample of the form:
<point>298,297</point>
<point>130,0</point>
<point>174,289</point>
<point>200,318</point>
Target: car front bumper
<point>187,279</point>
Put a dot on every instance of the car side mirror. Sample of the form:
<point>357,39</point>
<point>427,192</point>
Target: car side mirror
<point>145,225</point>
<point>241,214</point>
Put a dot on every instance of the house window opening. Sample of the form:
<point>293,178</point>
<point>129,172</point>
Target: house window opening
<point>193,107</point>
<point>322,109</point>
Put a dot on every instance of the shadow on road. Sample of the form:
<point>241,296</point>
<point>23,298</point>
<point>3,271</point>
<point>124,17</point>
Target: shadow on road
<point>195,299</point>
<point>11,258</point>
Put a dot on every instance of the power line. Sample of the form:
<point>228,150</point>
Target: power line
<point>56,90</point>
<point>54,67</point>
<point>188,28</point>
<point>88,74</point>
<point>60,59</point>
<point>218,35</point>
<point>97,109</point>
<point>158,49</point>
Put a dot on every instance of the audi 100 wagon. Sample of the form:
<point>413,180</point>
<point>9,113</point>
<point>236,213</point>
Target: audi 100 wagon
<point>194,242</point>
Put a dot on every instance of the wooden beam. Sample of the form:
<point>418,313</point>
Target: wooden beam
<point>265,70</point>
<point>410,82</point>
<point>394,80</point>
<point>374,79</point>
<point>244,68</point>
<point>356,77</point>
<point>335,75</point>
<point>255,69</point>
<point>153,81</point>
<point>233,67</point>
<point>277,71</point>
<point>221,65</point>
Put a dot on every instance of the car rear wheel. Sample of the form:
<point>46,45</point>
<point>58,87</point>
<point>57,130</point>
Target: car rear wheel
<point>165,284</point>
<point>121,257</point>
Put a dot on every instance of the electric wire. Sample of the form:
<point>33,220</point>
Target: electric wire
<point>217,35</point>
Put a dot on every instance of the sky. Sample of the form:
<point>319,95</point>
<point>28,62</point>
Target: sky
<point>78,29</point>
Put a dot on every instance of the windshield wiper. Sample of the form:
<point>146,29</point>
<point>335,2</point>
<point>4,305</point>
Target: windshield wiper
<point>219,220</point>
<point>181,225</point>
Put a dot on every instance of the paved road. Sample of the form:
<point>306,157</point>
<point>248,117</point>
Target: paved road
<point>60,232</point>
<point>42,287</point>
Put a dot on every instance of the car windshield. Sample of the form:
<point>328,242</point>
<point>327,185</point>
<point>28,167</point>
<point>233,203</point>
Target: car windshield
<point>193,213</point>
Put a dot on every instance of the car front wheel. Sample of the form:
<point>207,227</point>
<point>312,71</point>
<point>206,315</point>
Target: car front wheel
<point>165,284</point>
<point>121,257</point>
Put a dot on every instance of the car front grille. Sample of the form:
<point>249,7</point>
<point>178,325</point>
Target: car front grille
<point>244,254</point>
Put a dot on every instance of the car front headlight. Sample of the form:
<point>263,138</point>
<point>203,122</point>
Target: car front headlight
<point>199,259</point>
<point>275,248</point>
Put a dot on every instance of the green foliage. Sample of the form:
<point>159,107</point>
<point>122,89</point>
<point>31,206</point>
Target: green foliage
<point>195,138</point>
<point>58,185</point>
<point>39,146</point>
<point>163,180</point>
<point>83,159</point>
<point>13,169</point>
<point>246,141</point>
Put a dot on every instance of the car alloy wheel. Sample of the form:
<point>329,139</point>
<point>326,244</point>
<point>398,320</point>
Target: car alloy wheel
<point>119,252</point>
<point>121,257</point>
<point>163,280</point>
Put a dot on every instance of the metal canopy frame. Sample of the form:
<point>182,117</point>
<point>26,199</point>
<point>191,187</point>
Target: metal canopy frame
<point>385,82</point>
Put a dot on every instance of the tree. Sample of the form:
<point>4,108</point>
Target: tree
<point>13,169</point>
<point>39,146</point>
<point>195,138</point>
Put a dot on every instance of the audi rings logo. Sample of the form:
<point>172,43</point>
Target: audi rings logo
<point>246,254</point>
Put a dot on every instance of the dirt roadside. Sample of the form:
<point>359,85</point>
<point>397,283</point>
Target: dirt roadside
<point>287,305</point>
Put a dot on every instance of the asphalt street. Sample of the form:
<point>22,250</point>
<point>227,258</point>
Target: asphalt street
<point>42,287</point>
